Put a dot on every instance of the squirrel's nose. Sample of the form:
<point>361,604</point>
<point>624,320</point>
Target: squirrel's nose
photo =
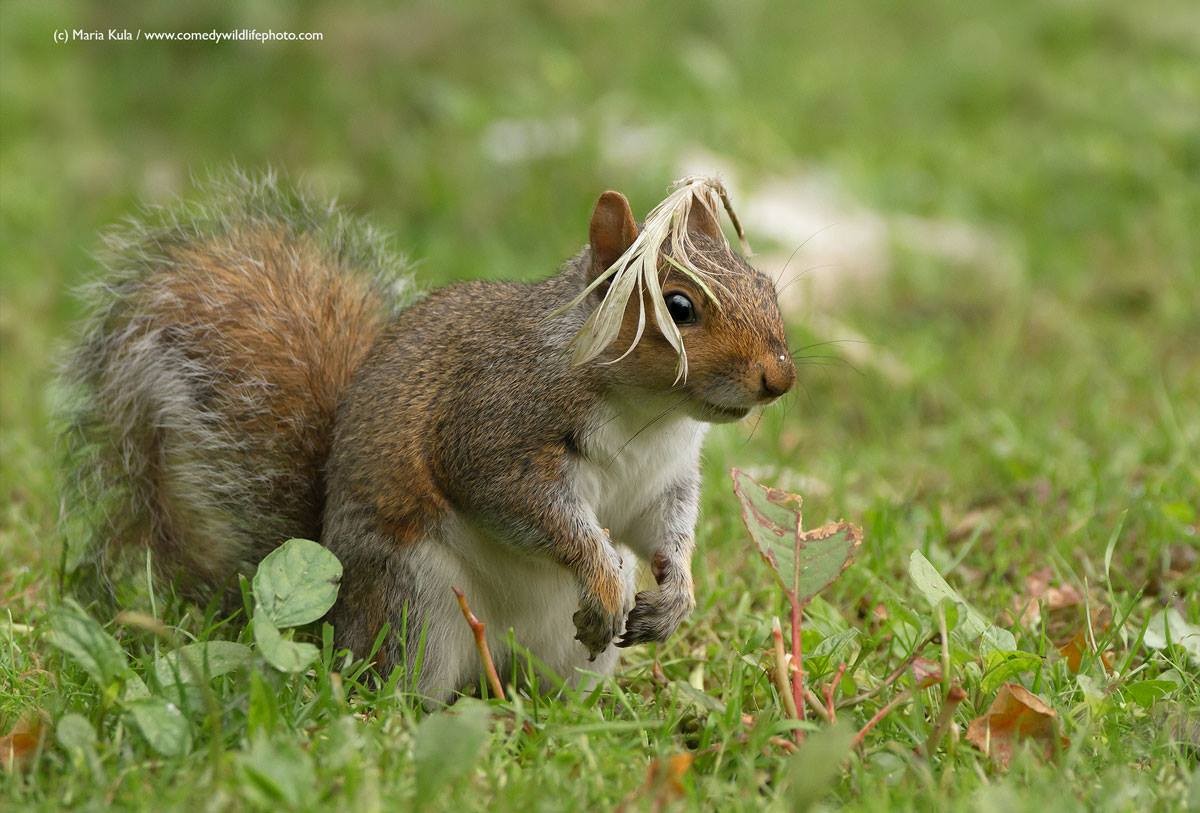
<point>779,374</point>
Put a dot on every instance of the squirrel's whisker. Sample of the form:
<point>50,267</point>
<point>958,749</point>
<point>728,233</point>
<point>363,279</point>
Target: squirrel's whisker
<point>796,250</point>
<point>648,424</point>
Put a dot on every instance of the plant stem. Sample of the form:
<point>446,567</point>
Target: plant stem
<point>485,654</point>
<point>891,678</point>
<point>904,696</point>
<point>945,717</point>
<point>781,670</point>
<point>797,665</point>
<point>831,712</point>
<point>815,703</point>
<point>945,646</point>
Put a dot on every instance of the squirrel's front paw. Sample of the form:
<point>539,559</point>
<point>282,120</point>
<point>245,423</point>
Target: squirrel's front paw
<point>595,626</point>
<point>656,614</point>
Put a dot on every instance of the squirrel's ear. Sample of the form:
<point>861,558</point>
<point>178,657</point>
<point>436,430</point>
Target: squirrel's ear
<point>612,230</point>
<point>702,221</point>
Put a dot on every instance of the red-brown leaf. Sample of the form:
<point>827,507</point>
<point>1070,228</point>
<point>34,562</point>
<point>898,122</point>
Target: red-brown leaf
<point>18,746</point>
<point>1015,716</point>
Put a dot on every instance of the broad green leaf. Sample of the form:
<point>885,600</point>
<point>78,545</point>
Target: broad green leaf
<point>284,655</point>
<point>194,662</point>
<point>1169,627</point>
<point>297,583</point>
<point>823,554</point>
<point>75,733</point>
<point>813,769</point>
<point>163,725</point>
<point>971,625</point>
<point>82,639</point>
<point>182,671</point>
<point>685,693</point>
<point>771,516</point>
<point>1145,692</point>
<point>804,562</point>
<point>135,689</point>
<point>1004,666</point>
<point>447,745</point>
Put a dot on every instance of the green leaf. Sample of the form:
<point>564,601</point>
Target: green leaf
<point>297,583</point>
<point>263,706</point>
<point>804,562</point>
<point>135,689</point>
<point>182,672</point>
<point>82,639</point>
<point>163,725</point>
<point>284,655</point>
<point>447,746</point>
<point>971,625</point>
<point>1145,692</point>
<point>813,769</point>
<point>1004,666</point>
<point>823,554</point>
<point>75,733</point>
<point>194,662</point>
<point>772,517</point>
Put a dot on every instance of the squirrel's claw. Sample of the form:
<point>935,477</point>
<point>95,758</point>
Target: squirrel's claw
<point>656,614</point>
<point>595,627</point>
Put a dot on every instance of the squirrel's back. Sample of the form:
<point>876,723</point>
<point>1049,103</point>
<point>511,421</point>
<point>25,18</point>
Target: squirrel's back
<point>204,389</point>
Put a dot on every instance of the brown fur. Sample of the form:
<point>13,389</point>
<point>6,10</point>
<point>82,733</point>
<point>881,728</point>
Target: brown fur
<point>209,377</point>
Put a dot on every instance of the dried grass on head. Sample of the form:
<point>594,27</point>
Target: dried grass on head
<point>636,271</point>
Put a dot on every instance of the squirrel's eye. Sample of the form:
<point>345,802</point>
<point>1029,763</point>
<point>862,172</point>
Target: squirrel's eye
<point>682,311</point>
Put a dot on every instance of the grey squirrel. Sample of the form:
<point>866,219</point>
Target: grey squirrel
<point>256,368</point>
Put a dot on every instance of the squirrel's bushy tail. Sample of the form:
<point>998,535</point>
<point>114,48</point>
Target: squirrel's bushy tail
<point>202,395</point>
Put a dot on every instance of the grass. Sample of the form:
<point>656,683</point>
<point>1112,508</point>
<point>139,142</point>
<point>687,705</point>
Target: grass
<point>1049,419</point>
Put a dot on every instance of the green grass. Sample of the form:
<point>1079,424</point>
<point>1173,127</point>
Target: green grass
<point>1047,415</point>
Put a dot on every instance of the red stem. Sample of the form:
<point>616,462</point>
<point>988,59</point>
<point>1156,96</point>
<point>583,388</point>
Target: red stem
<point>485,654</point>
<point>797,665</point>
<point>831,689</point>
<point>879,715</point>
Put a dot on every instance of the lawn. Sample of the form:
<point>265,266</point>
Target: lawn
<point>1000,316</point>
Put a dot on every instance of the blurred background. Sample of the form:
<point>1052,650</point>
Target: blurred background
<point>990,209</point>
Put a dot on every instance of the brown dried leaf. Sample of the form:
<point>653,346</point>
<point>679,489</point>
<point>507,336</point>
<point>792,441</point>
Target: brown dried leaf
<point>976,519</point>
<point>1015,716</point>
<point>18,746</point>
<point>1038,592</point>
<point>1072,651</point>
<point>664,782</point>
<point>1074,648</point>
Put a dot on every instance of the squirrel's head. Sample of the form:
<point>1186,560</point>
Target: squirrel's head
<point>695,320</point>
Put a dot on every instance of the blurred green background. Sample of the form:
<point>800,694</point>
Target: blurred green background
<point>1025,174</point>
<point>479,134</point>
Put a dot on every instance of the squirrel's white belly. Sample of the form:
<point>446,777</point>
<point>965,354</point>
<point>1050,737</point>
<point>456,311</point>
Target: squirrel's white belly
<point>629,460</point>
<point>526,599</point>
<point>632,455</point>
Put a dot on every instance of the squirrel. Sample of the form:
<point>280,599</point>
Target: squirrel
<point>258,367</point>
